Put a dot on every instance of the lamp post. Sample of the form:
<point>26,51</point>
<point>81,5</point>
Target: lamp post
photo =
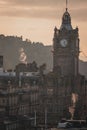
<point>45,118</point>
<point>35,119</point>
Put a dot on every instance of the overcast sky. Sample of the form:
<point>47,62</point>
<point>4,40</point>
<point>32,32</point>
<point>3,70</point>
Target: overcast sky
<point>36,19</point>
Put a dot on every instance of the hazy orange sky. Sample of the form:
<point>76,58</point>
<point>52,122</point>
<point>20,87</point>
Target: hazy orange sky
<point>36,19</point>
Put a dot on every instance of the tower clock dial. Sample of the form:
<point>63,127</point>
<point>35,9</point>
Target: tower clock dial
<point>63,42</point>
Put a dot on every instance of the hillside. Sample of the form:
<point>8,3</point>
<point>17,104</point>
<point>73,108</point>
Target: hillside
<point>15,50</point>
<point>12,48</point>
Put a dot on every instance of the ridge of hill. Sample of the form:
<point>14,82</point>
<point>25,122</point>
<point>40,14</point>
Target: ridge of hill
<point>12,48</point>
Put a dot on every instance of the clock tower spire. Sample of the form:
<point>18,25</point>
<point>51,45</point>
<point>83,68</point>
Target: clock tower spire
<point>66,19</point>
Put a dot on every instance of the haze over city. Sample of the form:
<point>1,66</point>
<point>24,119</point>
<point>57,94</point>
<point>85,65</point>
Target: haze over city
<point>43,65</point>
<point>36,19</point>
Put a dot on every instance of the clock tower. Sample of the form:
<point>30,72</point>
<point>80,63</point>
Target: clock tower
<point>66,47</point>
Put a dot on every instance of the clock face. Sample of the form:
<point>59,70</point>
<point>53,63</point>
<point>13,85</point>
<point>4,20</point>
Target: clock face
<point>63,42</point>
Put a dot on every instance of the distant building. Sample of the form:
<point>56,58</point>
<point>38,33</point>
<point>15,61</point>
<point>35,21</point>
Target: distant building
<point>19,99</point>
<point>29,67</point>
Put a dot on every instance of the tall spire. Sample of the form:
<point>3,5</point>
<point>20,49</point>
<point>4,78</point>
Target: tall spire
<point>66,19</point>
<point>66,5</point>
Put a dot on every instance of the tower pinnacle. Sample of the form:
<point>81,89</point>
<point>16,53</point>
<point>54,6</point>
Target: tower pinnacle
<point>66,19</point>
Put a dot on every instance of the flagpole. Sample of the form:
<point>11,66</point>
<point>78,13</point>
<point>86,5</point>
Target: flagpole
<point>45,118</point>
<point>66,5</point>
<point>35,118</point>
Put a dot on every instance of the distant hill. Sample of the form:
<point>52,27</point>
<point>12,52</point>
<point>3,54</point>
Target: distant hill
<point>13,49</point>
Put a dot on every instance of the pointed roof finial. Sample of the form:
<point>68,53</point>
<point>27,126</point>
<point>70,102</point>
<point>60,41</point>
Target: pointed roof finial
<point>66,5</point>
